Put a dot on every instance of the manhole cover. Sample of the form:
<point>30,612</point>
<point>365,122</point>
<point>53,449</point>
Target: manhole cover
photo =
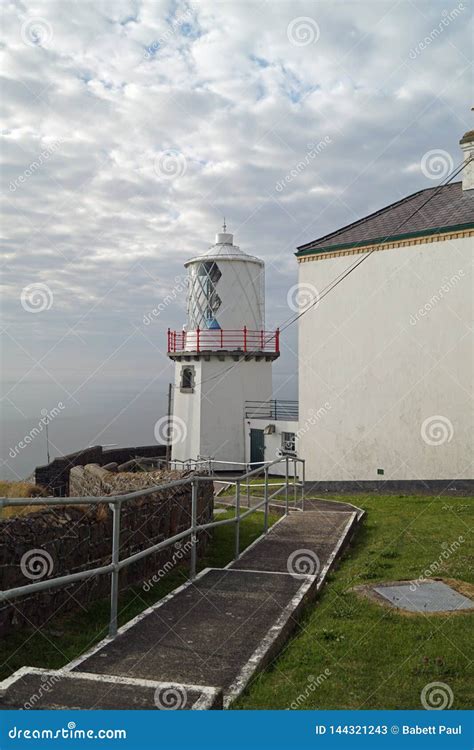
<point>426,596</point>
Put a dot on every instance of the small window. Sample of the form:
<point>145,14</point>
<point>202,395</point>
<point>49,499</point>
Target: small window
<point>187,379</point>
<point>288,442</point>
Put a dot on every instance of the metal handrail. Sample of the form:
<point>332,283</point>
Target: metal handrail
<point>115,503</point>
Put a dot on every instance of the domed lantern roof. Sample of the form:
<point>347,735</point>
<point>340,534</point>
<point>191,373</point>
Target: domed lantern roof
<point>224,249</point>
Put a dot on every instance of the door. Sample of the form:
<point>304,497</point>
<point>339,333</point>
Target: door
<point>257,447</point>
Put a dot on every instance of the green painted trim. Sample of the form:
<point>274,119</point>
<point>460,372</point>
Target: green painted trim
<point>383,240</point>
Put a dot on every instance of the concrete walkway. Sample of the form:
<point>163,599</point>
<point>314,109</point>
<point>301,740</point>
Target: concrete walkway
<point>200,646</point>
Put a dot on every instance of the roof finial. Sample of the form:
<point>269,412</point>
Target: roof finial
<point>224,226</point>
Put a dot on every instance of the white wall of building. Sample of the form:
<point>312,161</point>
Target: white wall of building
<point>213,413</point>
<point>385,367</point>
<point>272,441</point>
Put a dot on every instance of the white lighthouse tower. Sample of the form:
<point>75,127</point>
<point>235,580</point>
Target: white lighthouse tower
<point>223,356</point>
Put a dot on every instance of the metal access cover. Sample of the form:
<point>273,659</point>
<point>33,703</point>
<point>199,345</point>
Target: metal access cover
<point>425,596</point>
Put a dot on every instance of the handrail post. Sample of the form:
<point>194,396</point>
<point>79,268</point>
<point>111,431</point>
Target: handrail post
<point>198,342</point>
<point>245,338</point>
<point>265,522</point>
<point>237,522</point>
<point>287,480</point>
<point>277,340</point>
<point>295,483</point>
<point>303,479</point>
<point>114,577</point>
<point>194,489</point>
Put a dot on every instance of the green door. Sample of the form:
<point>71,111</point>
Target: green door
<point>257,447</point>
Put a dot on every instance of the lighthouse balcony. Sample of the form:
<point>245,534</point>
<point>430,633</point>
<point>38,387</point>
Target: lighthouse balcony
<point>219,342</point>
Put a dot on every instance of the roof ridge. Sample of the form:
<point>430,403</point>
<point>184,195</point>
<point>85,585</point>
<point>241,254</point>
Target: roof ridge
<point>379,212</point>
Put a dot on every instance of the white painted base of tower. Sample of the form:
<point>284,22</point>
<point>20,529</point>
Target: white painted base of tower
<point>213,410</point>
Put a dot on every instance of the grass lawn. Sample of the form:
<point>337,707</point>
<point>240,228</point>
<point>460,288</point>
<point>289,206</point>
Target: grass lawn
<point>65,637</point>
<point>374,657</point>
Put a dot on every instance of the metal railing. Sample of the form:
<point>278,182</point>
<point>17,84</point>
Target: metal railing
<point>115,502</point>
<point>272,409</point>
<point>214,339</point>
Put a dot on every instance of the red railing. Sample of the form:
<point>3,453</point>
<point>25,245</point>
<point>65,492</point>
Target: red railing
<point>213,339</point>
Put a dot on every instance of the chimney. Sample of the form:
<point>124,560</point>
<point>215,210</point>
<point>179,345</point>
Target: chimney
<point>467,147</point>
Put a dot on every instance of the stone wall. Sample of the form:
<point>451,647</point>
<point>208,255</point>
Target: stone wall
<point>66,539</point>
<point>55,475</point>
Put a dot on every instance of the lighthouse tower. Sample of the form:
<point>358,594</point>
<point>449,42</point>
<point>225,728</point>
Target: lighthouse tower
<point>223,356</point>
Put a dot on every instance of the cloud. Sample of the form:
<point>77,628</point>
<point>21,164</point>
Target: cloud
<point>105,88</point>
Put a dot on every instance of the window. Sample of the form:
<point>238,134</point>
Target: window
<point>187,380</point>
<point>203,300</point>
<point>288,442</point>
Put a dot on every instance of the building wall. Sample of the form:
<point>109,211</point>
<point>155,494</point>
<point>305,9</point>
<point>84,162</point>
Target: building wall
<point>213,412</point>
<point>385,367</point>
<point>272,442</point>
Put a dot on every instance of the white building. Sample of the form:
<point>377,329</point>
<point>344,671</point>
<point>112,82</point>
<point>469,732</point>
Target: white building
<point>223,356</point>
<point>385,359</point>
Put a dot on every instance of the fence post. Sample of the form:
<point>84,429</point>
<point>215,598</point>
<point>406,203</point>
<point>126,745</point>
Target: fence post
<point>194,488</point>
<point>237,522</point>
<point>248,486</point>
<point>245,338</point>
<point>265,522</point>
<point>295,482</point>
<point>287,480</point>
<point>198,339</point>
<point>114,578</point>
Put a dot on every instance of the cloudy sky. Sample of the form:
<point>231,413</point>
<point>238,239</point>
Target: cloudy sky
<point>130,127</point>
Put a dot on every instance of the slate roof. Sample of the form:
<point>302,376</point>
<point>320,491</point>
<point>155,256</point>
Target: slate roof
<point>450,208</point>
